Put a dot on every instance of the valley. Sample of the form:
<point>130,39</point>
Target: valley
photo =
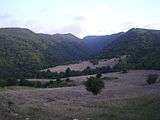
<point>129,91</point>
<point>79,60</point>
<point>43,77</point>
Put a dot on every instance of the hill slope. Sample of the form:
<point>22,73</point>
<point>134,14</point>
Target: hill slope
<point>142,47</point>
<point>97,43</point>
<point>22,50</point>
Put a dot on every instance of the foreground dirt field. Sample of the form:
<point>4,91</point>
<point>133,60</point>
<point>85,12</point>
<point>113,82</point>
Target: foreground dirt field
<point>69,103</point>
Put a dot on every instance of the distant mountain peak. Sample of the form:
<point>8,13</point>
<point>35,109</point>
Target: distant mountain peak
<point>141,30</point>
<point>15,29</point>
<point>67,36</point>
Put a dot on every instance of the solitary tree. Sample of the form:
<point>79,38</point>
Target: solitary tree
<point>94,85</point>
<point>68,72</point>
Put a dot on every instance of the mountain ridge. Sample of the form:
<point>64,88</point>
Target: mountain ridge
<point>23,52</point>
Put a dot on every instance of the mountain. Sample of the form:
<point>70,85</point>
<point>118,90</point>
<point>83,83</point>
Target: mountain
<point>142,47</point>
<point>23,51</point>
<point>97,43</point>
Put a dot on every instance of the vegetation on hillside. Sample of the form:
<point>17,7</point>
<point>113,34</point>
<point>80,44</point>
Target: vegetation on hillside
<point>140,46</point>
<point>70,73</point>
<point>23,52</point>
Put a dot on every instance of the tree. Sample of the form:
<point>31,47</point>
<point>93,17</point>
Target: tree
<point>67,80</point>
<point>38,84</point>
<point>87,71</point>
<point>152,78</point>
<point>94,85</point>
<point>99,75</point>
<point>3,83</point>
<point>124,71</point>
<point>94,61</point>
<point>24,82</point>
<point>68,72</point>
<point>12,82</point>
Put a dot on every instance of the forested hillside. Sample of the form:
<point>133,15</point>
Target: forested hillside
<point>141,46</point>
<point>97,43</point>
<point>23,52</point>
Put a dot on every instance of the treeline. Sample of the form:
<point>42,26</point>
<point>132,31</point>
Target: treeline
<point>36,84</point>
<point>70,73</point>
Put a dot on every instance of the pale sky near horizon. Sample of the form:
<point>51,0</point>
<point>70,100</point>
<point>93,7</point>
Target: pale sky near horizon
<point>80,17</point>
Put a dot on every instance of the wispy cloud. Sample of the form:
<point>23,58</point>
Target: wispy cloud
<point>80,18</point>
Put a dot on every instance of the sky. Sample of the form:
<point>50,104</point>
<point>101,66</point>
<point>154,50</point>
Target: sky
<point>80,17</point>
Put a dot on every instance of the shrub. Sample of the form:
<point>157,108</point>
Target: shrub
<point>68,80</point>
<point>38,84</point>
<point>3,83</point>
<point>24,82</point>
<point>58,80</point>
<point>124,71</point>
<point>12,82</point>
<point>51,82</point>
<point>152,78</point>
<point>94,62</point>
<point>99,75</point>
<point>94,85</point>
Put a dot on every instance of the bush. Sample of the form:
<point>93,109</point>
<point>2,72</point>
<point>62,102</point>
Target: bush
<point>124,71</point>
<point>24,82</point>
<point>38,84</point>
<point>94,85</point>
<point>58,80</point>
<point>68,80</point>
<point>94,62</point>
<point>99,75</point>
<point>152,78</point>
<point>12,82</point>
<point>3,83</point>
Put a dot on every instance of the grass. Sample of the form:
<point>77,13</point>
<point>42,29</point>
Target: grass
<point>140,108</point>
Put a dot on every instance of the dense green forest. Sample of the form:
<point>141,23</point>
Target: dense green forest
<point>141,47</point>
<point>23,52</point>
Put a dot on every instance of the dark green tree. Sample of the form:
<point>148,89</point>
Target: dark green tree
<point>68,72</point>
<point>3,83</point>
<point>152,78</point>
<point>94,85</point>
<point>99,75</point>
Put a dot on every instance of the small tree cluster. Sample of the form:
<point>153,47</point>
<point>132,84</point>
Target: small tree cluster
<point>94,85</point>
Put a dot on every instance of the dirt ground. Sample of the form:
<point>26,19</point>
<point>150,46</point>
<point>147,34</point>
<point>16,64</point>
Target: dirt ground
<point>69,103</point>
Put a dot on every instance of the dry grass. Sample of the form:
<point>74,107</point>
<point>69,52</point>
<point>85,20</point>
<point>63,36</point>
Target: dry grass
<point>67,103</point>
<point>82,65</point>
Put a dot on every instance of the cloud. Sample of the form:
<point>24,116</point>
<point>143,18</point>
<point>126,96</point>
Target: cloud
<point>4,17</point>
<point>80,18</point>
